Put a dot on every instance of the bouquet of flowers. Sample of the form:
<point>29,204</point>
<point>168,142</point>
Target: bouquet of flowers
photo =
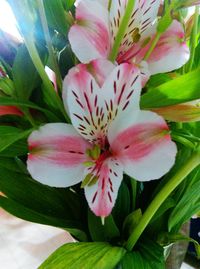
<point>99,130</point>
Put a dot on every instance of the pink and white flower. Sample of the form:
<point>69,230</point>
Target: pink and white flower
<point>95,29</point>
<point>105,139</point>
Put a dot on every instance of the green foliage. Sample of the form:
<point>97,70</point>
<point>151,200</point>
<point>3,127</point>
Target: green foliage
<point>56,15</point>
<point>186,207</point>
<point>149,255</point>
<point>131,222</point>
<point>9,135</point>
<point>182,89</point>
<point>25,75</point>
<point>32,201</point>
<point>100,232</point>
<point>85,256</point>
<point>7,101</point>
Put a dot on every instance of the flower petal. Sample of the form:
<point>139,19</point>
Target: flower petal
<point>142,143</point>
<point>171,51</point>
<point>91,108</point>
<point>82,98</point>
<point>100,69</point>
<point>57,153</point>
<point>90,37</point>
<point>145,74</point>
<point>102,195</point>
<point>10,110</point>
<point>140,25</point>
<point>122,90</point>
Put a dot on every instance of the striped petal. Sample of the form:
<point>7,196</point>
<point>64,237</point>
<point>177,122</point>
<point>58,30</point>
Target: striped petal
<point>91,108</point>
<point>57,153</point>
<point>102,195</point>
<point>90,36</point>
<point>122,90</point>
<point>143,144</point>
<point>141,22</point>
<point>84,102</point>
<point>171,52</point>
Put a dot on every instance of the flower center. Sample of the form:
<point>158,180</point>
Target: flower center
<point>96,160</point>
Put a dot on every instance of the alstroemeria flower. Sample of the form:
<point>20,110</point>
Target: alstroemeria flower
<point>109,136</point>
<point>185,112</point>
<point>95,29</point>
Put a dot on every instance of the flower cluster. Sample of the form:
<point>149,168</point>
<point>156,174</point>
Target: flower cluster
<point>110,134</point>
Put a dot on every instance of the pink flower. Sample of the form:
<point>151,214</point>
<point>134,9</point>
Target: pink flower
<point>105,139</point>
<point>10,110</point>
<point>93,34</point>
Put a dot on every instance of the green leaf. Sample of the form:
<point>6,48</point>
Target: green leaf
<point>56,15</point>
<point>10,164</point>
<point>40,198</point>
<point>6,85</point>
<point>6,101</point>
<point>169,203</point>
<point>18,148</point>
<point>182,89</point>
<point>25,213</point>
<point>186,207</point>
<point>131,222</point>
<point>84,256</point>
<point>122,205</point>
<point>100,232</point>
<point>69,3</point>
<point>9,135</point>
<point>149,255</point>
<point>157,80</point>
<point>25,76</point>
<point>33,201</point>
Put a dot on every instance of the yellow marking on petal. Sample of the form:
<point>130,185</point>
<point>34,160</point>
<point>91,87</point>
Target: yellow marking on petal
<point>94,153</point>
<point>86,180</point>
<point>93,181</point>
<point>88,164</point>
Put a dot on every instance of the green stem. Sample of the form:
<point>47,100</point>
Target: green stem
<point>193,39</point>
<point>52,57</point>
<point>153,44</point>
<point>50,92</point>
<point>134,193</point>
<point>122,30</point>
<point>193,162</point>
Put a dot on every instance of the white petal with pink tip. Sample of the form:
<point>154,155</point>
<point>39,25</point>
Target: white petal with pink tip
<point>91,108</point>
<point>122,89</point>
<point>171,51</point>
<point>142,143</point>
<point>102,195</point>
<point>84,101</point>
<point>57,153</point>
<point>90,37</point>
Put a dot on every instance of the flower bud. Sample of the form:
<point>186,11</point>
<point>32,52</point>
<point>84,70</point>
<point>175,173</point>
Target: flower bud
<point>185,112</point>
